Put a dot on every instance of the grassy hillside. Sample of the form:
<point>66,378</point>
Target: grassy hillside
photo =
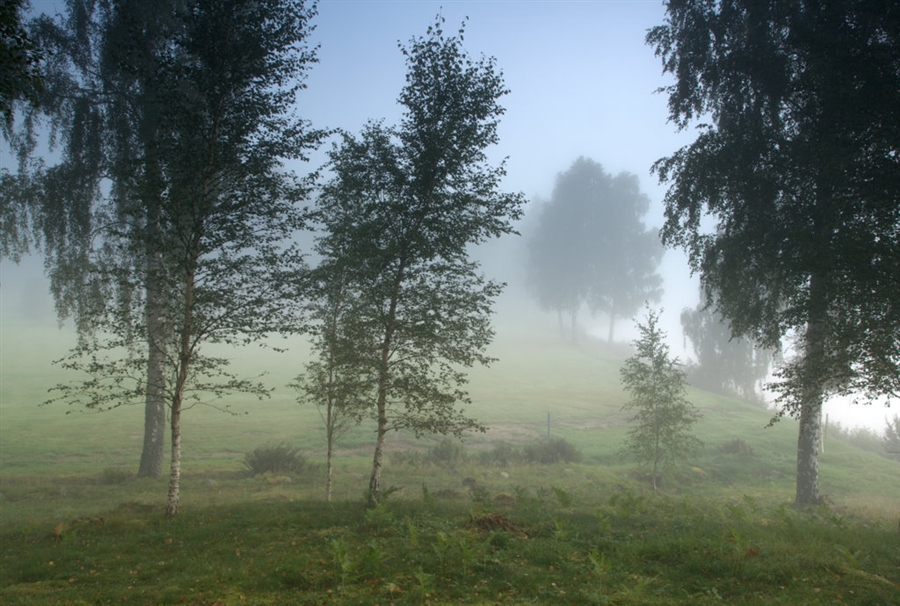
<point>77,528</point>
<point>536,374</point>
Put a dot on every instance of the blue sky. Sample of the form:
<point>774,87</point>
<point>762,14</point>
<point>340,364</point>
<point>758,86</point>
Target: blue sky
<point>581,78</point>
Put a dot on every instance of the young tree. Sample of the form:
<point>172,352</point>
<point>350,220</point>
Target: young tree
<point>796,164</point>
<point>332,381</point>
<point>662,416</point>
<point>399,215</point>
<point>591,246</point>
<point>211,104</point>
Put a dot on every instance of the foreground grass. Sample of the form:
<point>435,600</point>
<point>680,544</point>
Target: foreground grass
<point>76,528</point>
<point>543,545</point>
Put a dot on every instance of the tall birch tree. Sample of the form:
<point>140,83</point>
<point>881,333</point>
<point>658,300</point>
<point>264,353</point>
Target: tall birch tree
<point>189,234</point>
<point>797,172</point>
<point>399,215</point>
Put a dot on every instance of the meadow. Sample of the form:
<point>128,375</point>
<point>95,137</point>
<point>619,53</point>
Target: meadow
<point>475,522</point>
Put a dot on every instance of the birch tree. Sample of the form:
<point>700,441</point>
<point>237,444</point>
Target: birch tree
<point>787,200</point>
<point>400,213</point>
<point>208,100</point>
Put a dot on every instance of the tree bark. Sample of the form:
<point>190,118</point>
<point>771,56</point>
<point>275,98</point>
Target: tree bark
<point>185,355</point>
<point>810,430</point>
<point>157,342</point>
<point>808,452</point>
<point>155,402</point>
<point>329,474</point>
<point>374,495</point>
<point>172,498</point>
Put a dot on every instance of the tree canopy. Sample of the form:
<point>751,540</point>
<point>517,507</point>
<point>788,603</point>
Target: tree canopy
<point>796,164</point>
<point>591,246</point>
<point>20,56</point>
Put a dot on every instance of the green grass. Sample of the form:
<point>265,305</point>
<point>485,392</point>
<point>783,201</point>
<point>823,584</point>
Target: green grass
<point>76,529</point>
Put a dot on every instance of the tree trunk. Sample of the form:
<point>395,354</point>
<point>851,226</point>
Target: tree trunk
<point>185,355</point>
<point>808,452</point>
<point>157,340</point>
<point>810,431</point>
<point>374,495</point>
<point>612,326</point>
<point>155,402</point>
<point>574,325</point>
<point>329,448</point>
<point>154,426</point>
<point>175,470</point>
<point>329,474</point>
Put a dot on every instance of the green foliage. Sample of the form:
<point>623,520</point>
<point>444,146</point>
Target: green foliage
<point>548,452</point>
<point>501,454</point>
<point>115,475</point>
<point>166,223</point>
<point>861,437</point>
<point>737,446</point>
<point>662,417</point>
<point>281,458</point>
<point>448,452</point>
<point>19,57</point>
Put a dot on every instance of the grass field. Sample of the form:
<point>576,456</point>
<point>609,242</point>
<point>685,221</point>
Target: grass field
<point>76,528</point>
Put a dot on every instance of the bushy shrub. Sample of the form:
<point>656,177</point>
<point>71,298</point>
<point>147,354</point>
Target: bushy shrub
<point>737,446</point>
<point>411,458</point>
<point>115,475</point>
<point>282,458</point>
<point>502,454</point>
<point>447,452</point>
<point>554,450</point>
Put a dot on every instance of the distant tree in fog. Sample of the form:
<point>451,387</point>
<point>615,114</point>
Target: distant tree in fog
<point>725,364</point>
<point>556,277</point>
<point>662,417</point>
<point>590,246</point>
<point>796,169</point>
<point>891,439</point>
<point>399,214</point>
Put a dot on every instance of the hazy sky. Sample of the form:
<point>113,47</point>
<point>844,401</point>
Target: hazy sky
<point>582,82</point>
